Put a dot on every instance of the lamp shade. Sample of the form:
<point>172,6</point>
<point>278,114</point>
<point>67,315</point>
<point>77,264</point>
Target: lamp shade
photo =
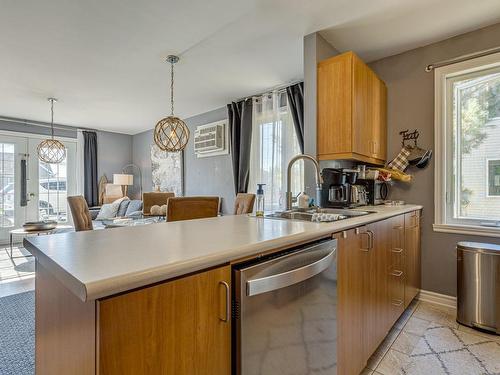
<point>123,179</point>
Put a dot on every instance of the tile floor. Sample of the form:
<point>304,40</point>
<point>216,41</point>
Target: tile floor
<point>427,340</point>
<point>16,275</point>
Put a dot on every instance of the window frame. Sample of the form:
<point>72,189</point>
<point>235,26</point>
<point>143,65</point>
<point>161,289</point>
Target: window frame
<point>488,195</point>
<point>443,136</point>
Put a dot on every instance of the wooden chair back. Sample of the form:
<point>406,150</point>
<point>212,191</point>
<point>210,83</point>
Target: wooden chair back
<point>187,208</point>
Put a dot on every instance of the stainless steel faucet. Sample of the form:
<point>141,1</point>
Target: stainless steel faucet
<point>319,179</point>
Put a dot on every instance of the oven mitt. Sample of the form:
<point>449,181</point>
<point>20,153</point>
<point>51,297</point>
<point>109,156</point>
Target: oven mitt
<point>400,162</point>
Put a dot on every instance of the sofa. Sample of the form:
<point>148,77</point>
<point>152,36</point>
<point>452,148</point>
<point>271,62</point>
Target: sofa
<point>131,208</point>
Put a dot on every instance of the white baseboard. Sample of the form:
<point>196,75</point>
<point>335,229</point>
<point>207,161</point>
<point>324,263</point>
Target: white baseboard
<point>437,298</point>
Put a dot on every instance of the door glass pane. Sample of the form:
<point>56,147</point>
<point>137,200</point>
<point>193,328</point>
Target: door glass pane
<point>7,180</point>
<point>52,191</point>
<point>476,107</point>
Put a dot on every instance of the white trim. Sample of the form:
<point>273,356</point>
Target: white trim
<point>442,188</point>
<point>34,135</point>
<point>437,299</point>
<point>467,229</point>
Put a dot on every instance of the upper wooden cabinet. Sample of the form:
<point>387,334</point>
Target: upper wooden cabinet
<point>351,111</point>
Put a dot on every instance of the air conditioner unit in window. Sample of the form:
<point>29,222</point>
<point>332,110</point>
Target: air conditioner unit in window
<point>210,139</point>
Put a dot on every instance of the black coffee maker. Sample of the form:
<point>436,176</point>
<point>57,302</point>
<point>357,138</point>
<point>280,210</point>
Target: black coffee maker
<point>336,190</point>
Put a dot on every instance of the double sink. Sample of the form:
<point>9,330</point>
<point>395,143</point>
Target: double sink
<point>307,215</point>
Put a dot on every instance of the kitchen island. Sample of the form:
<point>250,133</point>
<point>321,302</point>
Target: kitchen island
<point>165,286</point>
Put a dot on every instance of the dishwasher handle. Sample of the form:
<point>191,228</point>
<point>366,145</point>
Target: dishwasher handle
<point>295,276</point>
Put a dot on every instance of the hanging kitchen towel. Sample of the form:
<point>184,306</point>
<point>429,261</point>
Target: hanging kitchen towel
<point>400,162</point>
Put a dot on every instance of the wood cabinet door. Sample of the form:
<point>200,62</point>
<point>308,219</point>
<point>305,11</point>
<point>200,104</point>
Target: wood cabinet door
<point>376,297</point>
<point>412,258</point>
<point>378,146</point>
<point>334,96</point>
<point>352,268</point>
<point>179,327</point>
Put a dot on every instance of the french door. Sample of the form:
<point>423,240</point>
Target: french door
<point>31,190</point>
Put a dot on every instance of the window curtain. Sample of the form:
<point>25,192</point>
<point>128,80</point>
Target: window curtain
<point>274,143</point>
<point>240,127</point>
<point>295,94</point>
<point>80,163</point>
<point>90,168</point>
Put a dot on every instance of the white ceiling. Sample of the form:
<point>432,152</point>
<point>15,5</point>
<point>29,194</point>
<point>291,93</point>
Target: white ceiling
<point>104,59</point>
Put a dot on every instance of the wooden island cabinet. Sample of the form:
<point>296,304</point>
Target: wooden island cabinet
<point>177,327</point>
<point>351,111</point>
<point>378,276</point>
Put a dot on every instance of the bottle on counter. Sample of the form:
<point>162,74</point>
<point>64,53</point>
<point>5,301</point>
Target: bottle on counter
<point>259,211</point>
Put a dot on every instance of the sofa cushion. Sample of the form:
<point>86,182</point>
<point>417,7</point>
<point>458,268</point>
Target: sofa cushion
<point>109,210</point>
<point>122,210</point>
<point>134,206</point>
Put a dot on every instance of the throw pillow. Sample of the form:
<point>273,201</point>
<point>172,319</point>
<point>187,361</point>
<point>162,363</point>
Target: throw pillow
<point>134,206</point>
<point>109,210</point>
<point>122,210</point>
<point>155,210</point>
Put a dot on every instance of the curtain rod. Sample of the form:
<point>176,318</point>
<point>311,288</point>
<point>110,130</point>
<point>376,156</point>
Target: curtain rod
<point>486,52</point>
<point>42,124</point>
<point>270,90</point>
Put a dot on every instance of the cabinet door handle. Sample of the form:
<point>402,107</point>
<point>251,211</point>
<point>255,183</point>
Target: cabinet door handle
<point>397,302</point>
<point>396,273</point>
<point>371,236</point>
<point>366,249</point>
<point>228,301</point>
<point>397,250</point>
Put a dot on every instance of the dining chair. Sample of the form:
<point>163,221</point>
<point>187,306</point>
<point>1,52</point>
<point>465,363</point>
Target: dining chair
<point>154,198</point>
<point>187,208</point>
<point>244,203</point>
<point>80,213</point>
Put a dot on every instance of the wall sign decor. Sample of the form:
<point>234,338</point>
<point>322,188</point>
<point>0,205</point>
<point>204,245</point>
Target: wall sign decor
<point>211,139</point>
<point>167,170</point>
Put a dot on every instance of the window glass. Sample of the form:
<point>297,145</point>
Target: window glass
<point>52,191</point>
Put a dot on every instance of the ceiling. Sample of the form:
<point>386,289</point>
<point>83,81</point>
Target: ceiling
<point>104,59</point>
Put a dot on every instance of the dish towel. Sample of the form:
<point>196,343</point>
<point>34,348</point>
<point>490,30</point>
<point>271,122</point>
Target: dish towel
<point>400,162</point>
<point>325,218</point>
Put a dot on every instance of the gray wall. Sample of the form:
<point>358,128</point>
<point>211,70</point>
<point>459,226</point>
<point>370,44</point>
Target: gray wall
<point>114,150</point>
<point>411,106</point>
<point>316,48</point>
<point>202,176</point>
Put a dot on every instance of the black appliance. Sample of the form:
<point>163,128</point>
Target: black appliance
<point>337,185</point>
<point>376,190</point>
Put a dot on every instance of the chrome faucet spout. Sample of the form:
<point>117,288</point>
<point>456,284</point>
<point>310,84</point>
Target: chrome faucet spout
<point>319,179</point>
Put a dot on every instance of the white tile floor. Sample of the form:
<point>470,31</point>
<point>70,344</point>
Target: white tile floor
<point>16,275</point>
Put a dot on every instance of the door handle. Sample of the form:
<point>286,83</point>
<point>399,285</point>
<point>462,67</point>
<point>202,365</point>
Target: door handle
<point>396,273</point>
<point>295,276</point>
<point>228,302</point>
<point>397,250</point>
<point>371,237</point>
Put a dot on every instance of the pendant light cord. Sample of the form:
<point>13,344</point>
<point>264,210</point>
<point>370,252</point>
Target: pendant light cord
<point>171,88</point>
<point>52,117</point>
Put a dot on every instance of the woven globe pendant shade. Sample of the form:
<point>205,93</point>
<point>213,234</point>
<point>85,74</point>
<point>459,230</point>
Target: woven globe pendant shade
<point>171,134</point>
<point>51,150</point>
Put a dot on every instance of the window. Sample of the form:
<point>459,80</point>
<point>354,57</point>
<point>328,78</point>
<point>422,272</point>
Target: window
<point>468,147</point>
<point>274,143</point>
<point>7,186</point>
<point>52,191</point>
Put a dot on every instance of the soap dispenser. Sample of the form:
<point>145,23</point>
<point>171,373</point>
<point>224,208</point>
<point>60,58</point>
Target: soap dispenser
<point>259,211</point>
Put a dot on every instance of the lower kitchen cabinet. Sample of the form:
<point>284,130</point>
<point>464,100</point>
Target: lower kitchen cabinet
<point>378,275</point>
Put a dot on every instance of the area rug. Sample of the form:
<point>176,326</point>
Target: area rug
<point>444,350</point>
<point>17,334</point>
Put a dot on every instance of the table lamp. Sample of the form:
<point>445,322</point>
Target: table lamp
<point>124,180</point>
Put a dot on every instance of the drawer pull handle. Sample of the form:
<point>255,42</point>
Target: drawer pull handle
<point>397,302</point>
<point>397,250</point>
<point>228,301</point>
<point>396,273</point>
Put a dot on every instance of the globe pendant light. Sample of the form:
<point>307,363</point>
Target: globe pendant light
<point>171,133</point>
<point>51,150</point>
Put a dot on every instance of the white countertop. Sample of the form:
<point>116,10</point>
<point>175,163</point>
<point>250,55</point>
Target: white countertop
<point>96,264</point>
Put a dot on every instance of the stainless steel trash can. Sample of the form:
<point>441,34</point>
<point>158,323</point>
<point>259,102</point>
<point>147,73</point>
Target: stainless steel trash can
<point>478,285</point>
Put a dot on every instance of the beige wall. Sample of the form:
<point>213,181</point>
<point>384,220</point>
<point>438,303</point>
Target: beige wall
<point>411,106</point>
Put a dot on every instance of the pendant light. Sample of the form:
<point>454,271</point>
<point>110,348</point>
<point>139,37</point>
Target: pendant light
<point>171,133</point>
<point>51,150</point>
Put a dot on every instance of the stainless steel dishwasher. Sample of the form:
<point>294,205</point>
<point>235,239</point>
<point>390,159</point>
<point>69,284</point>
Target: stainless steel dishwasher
<point>285,313</point>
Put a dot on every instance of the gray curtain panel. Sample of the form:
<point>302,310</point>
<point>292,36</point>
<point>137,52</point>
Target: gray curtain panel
<point>240,127</point>
<point>90,190</point>
<point>295,94</point>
